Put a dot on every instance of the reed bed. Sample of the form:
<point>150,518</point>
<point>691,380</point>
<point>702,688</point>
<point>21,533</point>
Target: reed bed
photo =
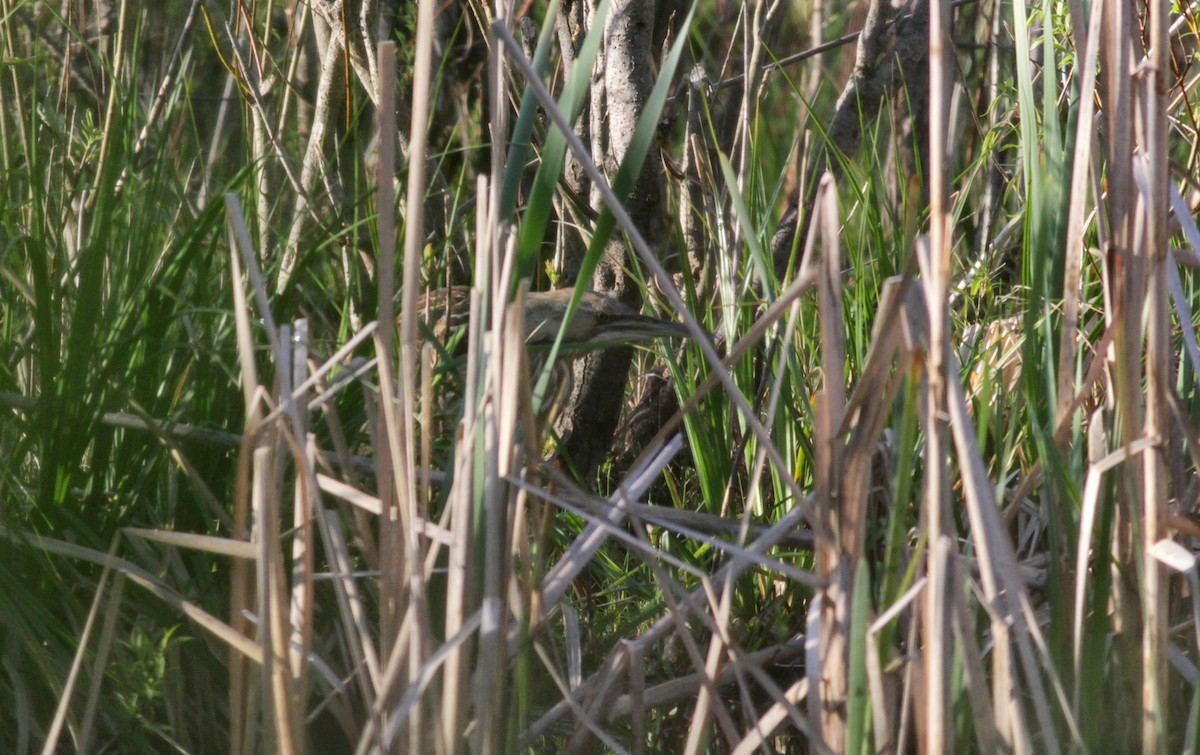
<point>927,476</point>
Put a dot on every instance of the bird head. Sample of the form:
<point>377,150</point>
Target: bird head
<point>599,322</point>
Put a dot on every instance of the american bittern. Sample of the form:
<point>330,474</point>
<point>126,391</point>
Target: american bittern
<point>600,322</point>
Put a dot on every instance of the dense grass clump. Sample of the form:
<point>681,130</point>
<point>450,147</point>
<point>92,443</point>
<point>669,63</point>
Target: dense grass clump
<point>923,476</point>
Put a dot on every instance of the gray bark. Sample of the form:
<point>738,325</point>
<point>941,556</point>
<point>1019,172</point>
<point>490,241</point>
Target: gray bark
<point>892,62</point>
<point>621,85</point>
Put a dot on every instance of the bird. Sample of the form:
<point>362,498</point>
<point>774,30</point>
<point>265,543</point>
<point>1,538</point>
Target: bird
<point>600,321</point>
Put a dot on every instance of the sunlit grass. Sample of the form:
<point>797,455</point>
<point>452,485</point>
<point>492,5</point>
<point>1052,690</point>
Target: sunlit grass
<point>197,553</point>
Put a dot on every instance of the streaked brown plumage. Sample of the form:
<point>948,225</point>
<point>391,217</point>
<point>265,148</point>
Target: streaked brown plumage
<point>599,322</point>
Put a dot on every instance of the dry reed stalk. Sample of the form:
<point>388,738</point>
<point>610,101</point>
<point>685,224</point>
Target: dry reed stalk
<point>986,734</point>
<point>1080,180</point>
<point>1010,606</point>
<point>241,726</point>
<point>329,85</point>
<point>462,591</point>
<point>112,601</point>
<point>277,684</point>
<point>1124,284</point>
<point>888,736</point>
<point>1155,207</point>
<point>504,388</point>
<point>389,453</point>
<point>304,508</point>
<point>835,553</point>
<point>353,615</point>
<point>411,508</point>
<point>935,257</point>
